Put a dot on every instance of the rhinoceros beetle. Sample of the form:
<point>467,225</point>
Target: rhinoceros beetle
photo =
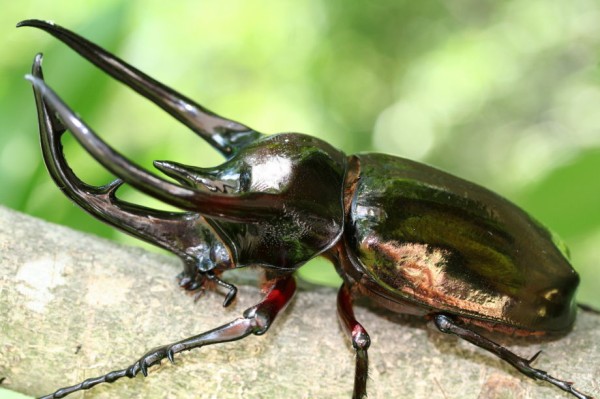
<point>411,238</point>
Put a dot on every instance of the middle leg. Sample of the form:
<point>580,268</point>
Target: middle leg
<point>360,340</point>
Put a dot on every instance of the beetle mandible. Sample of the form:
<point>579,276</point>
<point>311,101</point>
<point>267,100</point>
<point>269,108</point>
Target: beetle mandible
<point>409,237</point>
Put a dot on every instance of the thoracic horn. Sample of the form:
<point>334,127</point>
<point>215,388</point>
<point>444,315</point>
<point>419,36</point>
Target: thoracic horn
<point>225,135</point>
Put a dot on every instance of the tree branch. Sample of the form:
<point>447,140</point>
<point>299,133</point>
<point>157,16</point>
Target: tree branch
<point>74,306</point>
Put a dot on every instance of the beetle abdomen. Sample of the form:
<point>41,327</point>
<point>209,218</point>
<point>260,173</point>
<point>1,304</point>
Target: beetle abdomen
<point>441,242</point>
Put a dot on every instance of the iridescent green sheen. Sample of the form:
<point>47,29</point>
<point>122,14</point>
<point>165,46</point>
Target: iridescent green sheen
<point>436,240</point>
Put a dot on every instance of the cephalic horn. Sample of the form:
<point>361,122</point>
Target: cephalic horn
<point>246,207</point>
<point>225,135</point>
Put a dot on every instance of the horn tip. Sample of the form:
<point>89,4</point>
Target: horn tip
<point>37,60</point>
<point>35,23</point>
<point>164,166</point>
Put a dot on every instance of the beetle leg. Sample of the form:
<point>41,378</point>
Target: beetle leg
<point>256,320</point>
<point>360,340</point>
<point>232,288</point>
<point>225,135</point>
<point>447,325</point>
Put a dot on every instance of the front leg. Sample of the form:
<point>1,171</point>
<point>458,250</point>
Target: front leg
<point>255,320</point>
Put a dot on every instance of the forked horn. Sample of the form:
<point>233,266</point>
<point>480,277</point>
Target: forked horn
<point>225,135</point>
<point>51,130</point>
<point>173,231</point>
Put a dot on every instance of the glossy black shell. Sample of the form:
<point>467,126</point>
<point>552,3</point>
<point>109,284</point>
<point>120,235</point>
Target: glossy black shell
<point>439,242</point>
<point>304,173</point>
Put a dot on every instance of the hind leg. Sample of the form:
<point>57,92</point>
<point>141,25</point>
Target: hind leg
<point>447,325</point>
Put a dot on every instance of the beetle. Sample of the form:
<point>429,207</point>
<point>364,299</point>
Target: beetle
<point>411,238</point>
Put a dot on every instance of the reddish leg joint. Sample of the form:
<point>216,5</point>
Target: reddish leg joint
<point>360,340</point>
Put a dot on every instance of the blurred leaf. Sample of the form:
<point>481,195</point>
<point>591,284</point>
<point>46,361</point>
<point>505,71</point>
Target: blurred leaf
<point>568,199</point>
<point>320,271</point>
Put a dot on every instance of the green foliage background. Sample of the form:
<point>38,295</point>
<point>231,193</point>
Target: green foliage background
<point>504,93</point>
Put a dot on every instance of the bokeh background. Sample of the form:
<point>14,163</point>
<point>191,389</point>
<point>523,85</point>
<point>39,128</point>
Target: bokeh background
<point>503,93</point>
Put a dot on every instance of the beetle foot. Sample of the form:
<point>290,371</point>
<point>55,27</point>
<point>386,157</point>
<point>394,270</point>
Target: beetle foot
<point>152,357</point>
<point>206,281</point>
<point>231,294</point>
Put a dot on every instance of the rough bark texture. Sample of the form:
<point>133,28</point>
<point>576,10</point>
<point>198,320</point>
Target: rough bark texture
<point>74,306</point>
